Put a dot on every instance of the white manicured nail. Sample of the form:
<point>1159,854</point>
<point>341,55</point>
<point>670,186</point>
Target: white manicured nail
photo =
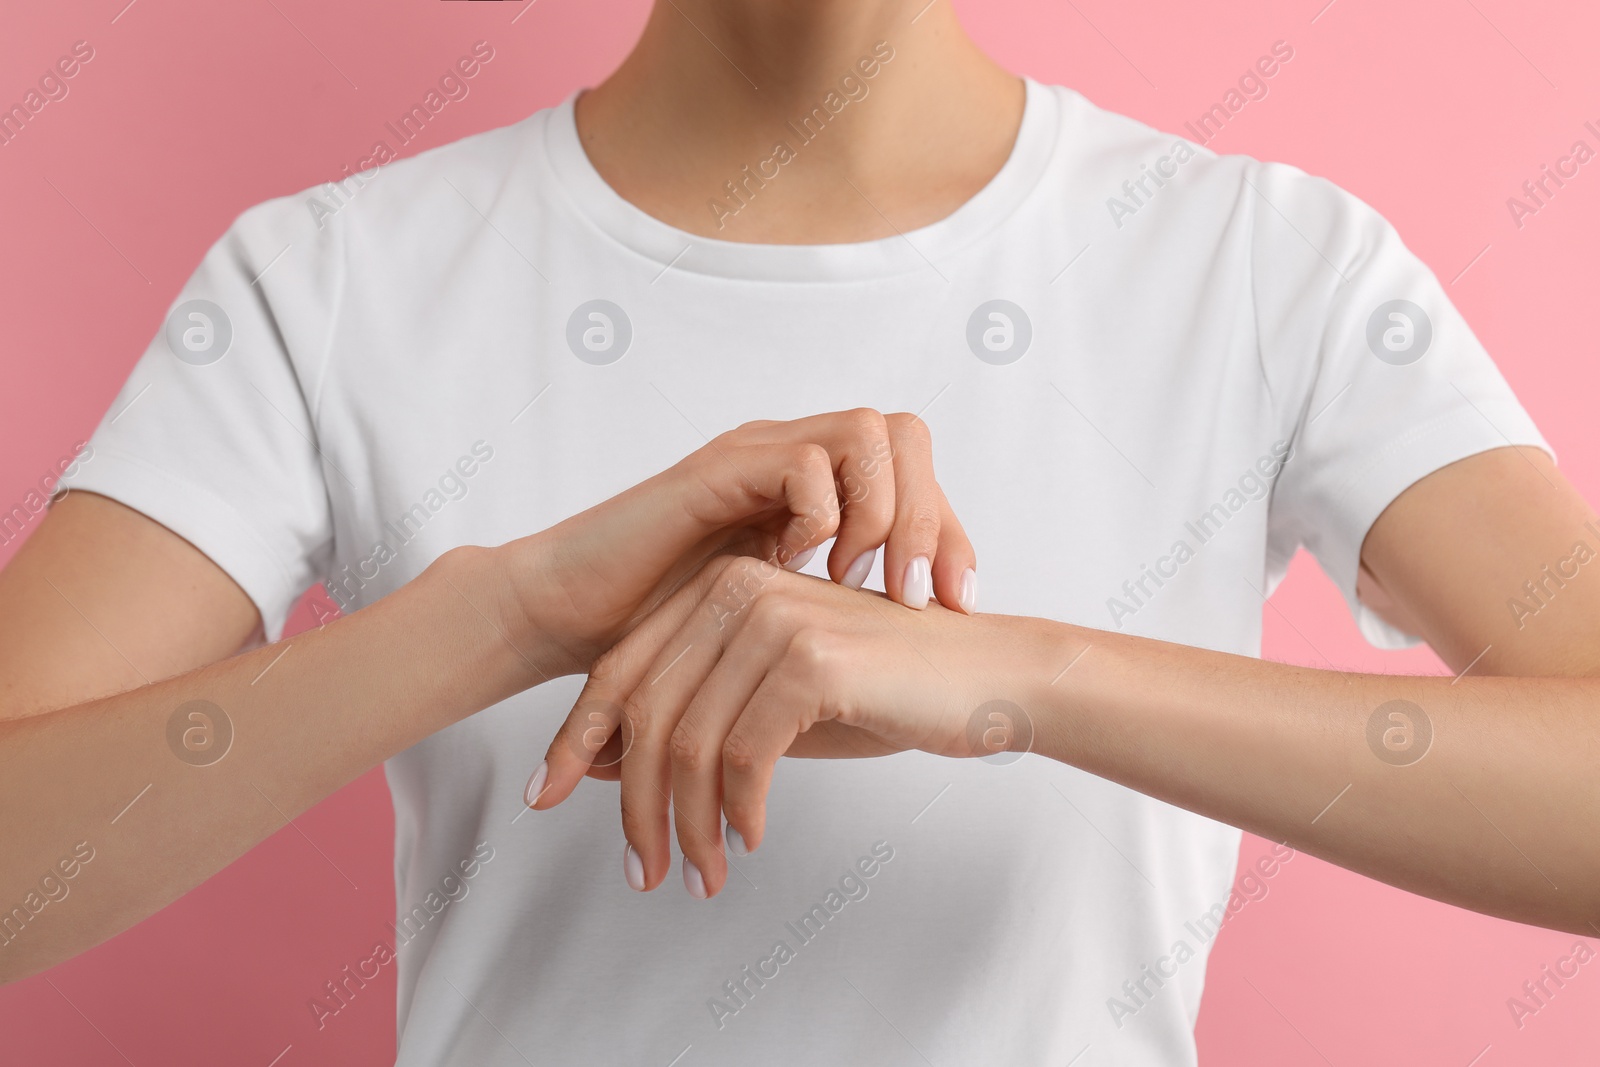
<point>969,590</point>
<point>856,576</point>
<point>693,881</point>
<point>536,783</point>
<point>917,589</point>
<point>633,869</point>
<point>735,841</point>
<point>801,559</point>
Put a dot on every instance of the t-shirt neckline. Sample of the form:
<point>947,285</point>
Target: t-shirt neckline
<point>915,250</point>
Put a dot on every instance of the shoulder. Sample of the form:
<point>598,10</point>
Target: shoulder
<point>395,206</point>
<point>1132,163</point>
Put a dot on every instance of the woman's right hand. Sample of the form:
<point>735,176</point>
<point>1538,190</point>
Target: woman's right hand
<point>774,490</point>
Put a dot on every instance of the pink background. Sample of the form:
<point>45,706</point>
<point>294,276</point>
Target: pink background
<point>1434,111</point>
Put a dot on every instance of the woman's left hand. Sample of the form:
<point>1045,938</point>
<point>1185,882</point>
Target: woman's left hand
<point>749,662</point>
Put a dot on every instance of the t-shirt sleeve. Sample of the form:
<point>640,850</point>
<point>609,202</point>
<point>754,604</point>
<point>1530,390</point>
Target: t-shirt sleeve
<point>1375,377</point>
<point>214,433</point>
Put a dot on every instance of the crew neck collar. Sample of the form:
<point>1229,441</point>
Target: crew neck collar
<point>604,208</point>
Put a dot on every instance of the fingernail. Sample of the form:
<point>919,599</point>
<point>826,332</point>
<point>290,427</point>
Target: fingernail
<point>692,879</point>
<point>633,869</point>
<point>735,841</point>
<point>969,590</point>
<point>801,559</point>
<point>856,576</point>
<point>917,589</point>
<point>536,783</point>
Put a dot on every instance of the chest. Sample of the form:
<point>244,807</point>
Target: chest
<point>1110,454</point>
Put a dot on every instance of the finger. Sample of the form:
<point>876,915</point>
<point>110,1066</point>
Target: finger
<point>784,704</point>
<point>955,575</point>
<point>653,710</point>
<point>607,766</point>
<point>859,449</point>
<point>583,740</point>
<point>589,738</point>
<point>697,741</point>
<point>919,535</point>
<point>688,509</point>
<point>796,477</point>
<point>864,473</point>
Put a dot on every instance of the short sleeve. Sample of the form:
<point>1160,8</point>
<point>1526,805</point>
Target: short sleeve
<point>1375,377</point>
<point>214,435</point>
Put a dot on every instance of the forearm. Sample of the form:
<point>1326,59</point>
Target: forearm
<point>307,716</point>
<point>1501,814</point>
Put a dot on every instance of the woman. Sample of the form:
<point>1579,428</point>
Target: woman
<point>769,212</point>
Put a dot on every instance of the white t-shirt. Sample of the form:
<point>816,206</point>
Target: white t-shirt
<point>1143,397</point>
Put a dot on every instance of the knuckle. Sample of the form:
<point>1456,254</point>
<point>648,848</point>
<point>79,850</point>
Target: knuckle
<point>686,749</point>
<point>606,667</point>
<point>733,568</point>
<point>772,613</point>
<point>812,652</point>
<point>813,460</point>
<point>746,576</point>
<point>635,717</point>
<point>920,523</point>
<point>868,424</point>
<point>738,754</point>
<point>910,428</point>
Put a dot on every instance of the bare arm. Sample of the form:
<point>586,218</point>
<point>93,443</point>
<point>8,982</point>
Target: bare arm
<point>97,782</point>
<point>1499,811</point>
<point>101,600</point>
<point>99,778</point>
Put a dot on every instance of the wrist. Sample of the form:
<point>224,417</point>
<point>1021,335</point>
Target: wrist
<point>1002,679</point>
<point>477,589</point>
<point>1051,674</point>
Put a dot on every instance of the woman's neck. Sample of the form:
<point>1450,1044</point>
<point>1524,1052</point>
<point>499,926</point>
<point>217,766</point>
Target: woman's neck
<point>826,121</point>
